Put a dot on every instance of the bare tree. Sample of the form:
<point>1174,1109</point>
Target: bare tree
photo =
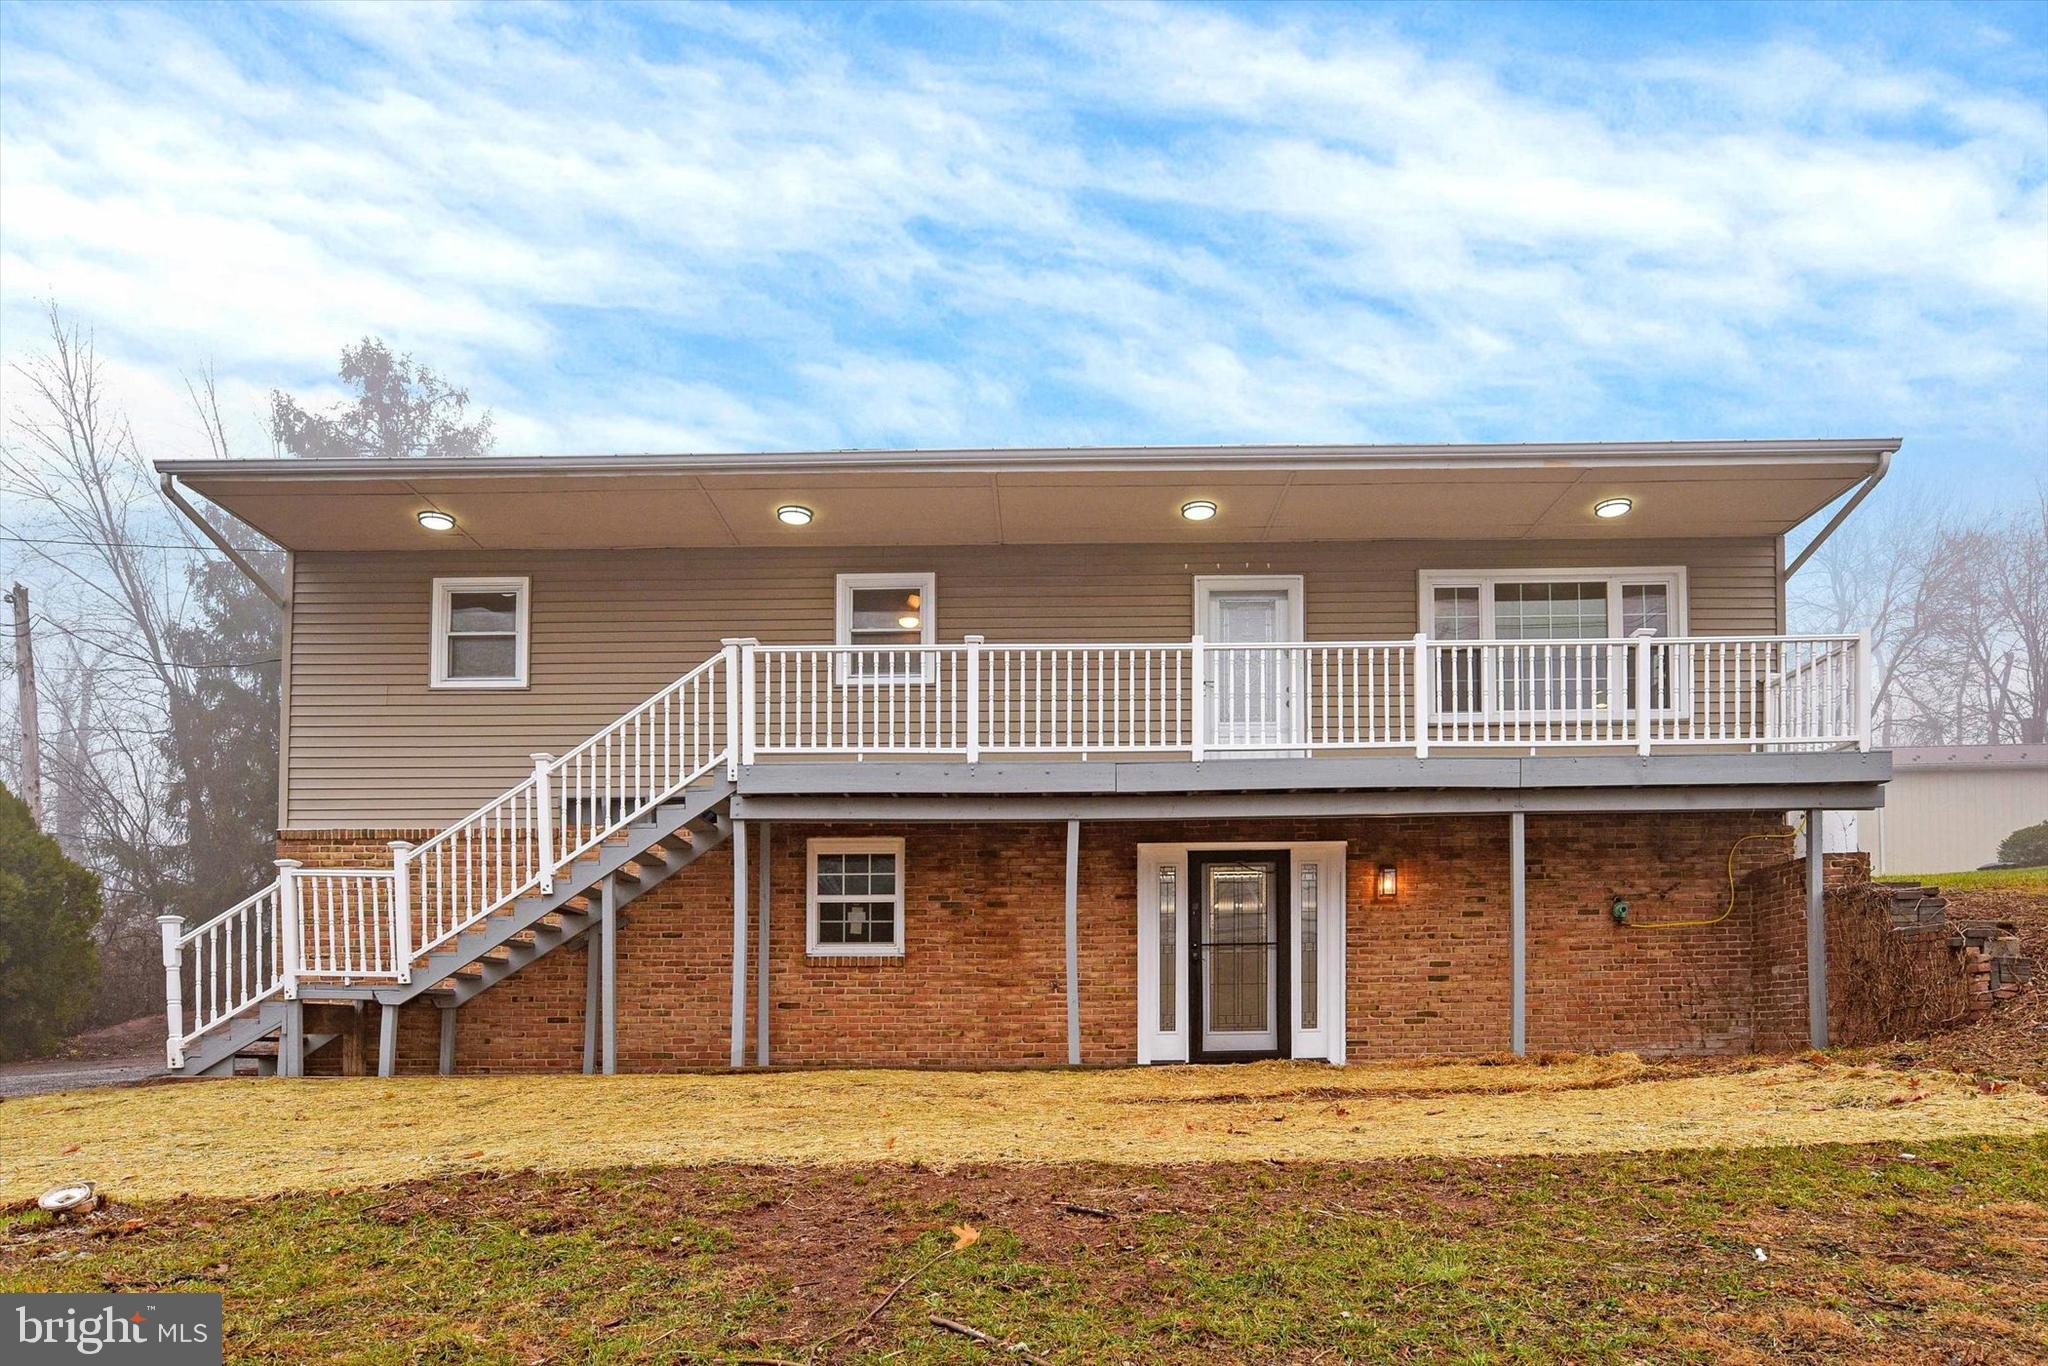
<point>143,785</point>
<point>1958,619</point>
<point>1880,574</point>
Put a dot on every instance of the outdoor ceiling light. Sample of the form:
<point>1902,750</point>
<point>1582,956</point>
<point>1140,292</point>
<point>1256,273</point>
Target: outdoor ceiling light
<point>434,520</point>
<point>1611,508</point>
<point>1199,510</point>
<point>1386,884</point>
<point>793,514</point>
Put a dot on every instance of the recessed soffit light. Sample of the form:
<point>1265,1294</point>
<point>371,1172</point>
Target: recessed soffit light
<point>433,519</point>
<point>793,514</point>
<point>1611,508</point>
<point>1198,510</point>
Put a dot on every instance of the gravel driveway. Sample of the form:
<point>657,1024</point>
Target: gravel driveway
<point>35,1078</point>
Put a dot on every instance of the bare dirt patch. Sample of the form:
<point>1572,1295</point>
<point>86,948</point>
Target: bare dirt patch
<point>1832,1253</point>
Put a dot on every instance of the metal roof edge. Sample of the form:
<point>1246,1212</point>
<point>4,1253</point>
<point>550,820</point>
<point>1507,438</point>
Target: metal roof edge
<point>1097,459</point>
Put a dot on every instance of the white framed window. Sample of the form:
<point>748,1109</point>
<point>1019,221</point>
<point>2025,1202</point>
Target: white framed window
<point>480,634</point>
<point>1557,607</point>
<point>855,904</point>
<point>886,621</point>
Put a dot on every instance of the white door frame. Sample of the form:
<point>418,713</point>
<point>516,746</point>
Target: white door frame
<point>1326,1040</point>
<point>1293,589</point>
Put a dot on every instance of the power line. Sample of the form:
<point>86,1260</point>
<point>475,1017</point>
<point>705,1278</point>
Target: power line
<point>132,545</point>
<point>144,659</point>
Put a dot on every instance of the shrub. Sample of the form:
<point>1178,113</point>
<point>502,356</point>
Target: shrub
<point>48,908</point>
<point>2025,848</point>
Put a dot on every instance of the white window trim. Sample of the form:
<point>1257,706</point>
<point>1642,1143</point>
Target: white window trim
<point>437,642</point>
<point>864,845</point>
<point>1486,580</point>
<point>1672,576</point>
<point>926,585</point>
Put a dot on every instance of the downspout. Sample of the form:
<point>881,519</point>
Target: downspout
<point>1884,464</point>
<point>176,497</point>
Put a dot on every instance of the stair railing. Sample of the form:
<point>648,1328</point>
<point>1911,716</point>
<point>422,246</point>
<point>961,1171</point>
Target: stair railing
<point>519,840</point>
<point>217,970</point>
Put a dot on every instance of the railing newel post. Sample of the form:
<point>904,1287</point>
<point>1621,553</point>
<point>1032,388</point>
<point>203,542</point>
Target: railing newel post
<point>974,644</point>
<point>1643,691</point>
<point>544,817</point>
<point>1198,710</point>
<point>401,911</point>
<point>1866,700</point>
<point>170,929</point>
<point>1422,694</point>
<point>288,924</point>
<point>739,703</point>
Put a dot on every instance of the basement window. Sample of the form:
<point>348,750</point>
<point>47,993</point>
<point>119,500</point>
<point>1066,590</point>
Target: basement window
<point>480,633</point>
<point>855,906</point>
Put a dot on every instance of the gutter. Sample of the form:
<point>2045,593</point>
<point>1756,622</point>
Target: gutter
<point>1097,459</point>
<point>176,497</point>
<point>1884,464</point>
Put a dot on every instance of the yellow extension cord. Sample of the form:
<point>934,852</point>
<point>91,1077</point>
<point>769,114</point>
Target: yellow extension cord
<point>1729,909</point>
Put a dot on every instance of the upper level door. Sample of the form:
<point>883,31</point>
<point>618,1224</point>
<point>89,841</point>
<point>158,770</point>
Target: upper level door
<point>1251,692</point>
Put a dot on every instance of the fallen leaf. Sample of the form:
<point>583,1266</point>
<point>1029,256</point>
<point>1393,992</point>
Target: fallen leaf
<point>965,1235</point>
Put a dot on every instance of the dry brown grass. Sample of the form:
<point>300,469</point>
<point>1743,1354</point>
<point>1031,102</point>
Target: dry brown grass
<point>255,1137</point>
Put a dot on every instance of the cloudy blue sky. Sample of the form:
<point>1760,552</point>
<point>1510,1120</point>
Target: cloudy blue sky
<point>709,227</point>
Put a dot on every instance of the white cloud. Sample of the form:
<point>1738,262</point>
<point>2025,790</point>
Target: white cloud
<point>1118,224</point>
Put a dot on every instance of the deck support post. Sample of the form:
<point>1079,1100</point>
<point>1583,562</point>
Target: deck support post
<point>761,1005</point>
<point>1816,933</point>
<point>446,1062</point>
<point>1518,943</point>
<point>1073,943</point>
<point>608,974</point>
<point>739,943</point>
<point>591,948</point>
<point>387,1041</point>
<point>291,1041</point>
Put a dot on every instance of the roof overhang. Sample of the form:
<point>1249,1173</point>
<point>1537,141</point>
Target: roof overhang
<point>1043,496</point>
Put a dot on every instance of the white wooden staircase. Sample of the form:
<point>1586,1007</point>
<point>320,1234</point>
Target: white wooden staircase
<point>554,860</point>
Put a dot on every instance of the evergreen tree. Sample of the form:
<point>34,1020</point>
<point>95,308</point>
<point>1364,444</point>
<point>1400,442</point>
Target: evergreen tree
<point>48,908</point>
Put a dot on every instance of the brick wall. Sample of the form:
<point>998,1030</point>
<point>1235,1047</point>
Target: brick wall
<point>982,979</point>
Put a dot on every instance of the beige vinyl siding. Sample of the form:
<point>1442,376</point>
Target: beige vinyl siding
<point>372,745</point>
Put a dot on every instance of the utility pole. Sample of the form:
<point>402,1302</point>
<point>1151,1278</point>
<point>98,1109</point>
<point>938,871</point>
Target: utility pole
<point>31,732</point>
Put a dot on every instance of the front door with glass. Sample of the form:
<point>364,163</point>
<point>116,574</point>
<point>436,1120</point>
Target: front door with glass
<point>1238,960</point>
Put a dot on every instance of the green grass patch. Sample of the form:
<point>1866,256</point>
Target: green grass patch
<point>1978,880</point>
<point>1874,1251</point>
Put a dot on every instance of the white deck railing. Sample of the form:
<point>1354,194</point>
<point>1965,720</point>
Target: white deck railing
<point>977,701</point>
<point>1306,697</point>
